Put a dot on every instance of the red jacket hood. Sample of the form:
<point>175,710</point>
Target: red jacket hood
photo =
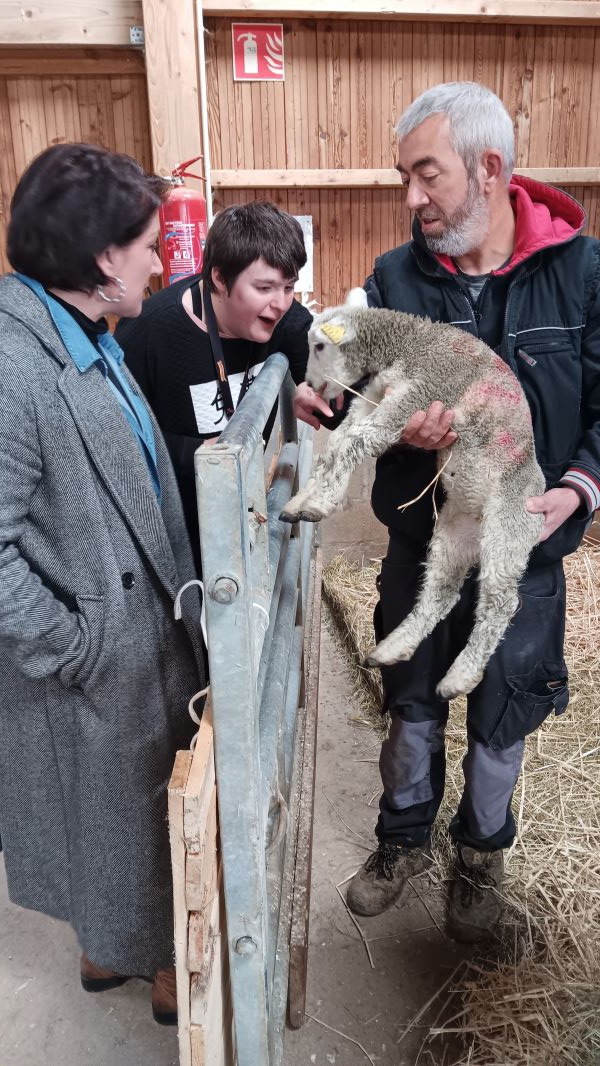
<point>545,217</point>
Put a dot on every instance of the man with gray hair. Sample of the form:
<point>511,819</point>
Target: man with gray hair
<point>502,257</point>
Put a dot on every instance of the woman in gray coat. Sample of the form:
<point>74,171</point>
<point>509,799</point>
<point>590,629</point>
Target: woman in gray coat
<point>95,674</point>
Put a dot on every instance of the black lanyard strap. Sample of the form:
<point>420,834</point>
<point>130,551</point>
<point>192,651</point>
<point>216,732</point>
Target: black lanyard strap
<point>215,345</point>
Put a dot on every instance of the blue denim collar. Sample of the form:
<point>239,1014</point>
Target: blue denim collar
<point>80,348</point>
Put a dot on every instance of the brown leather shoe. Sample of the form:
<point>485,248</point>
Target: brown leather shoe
<point>164,997</point>
<point>96,978</point>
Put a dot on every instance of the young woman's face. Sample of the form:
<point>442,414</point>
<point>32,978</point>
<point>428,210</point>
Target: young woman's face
<point>258,300</point>
<point>134,264</point>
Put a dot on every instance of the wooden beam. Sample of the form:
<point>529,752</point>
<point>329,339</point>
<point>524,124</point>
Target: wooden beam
<point>27,62</point>
<point>299,925</point>
<point>65,22</point>
<point>585,12</point>
<point>562,175</point>
<point>176,793</point>
<point>384,179</point>
<point>172,73</point>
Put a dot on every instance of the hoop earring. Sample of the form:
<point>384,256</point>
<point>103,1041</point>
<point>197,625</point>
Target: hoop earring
<point>112,299</point>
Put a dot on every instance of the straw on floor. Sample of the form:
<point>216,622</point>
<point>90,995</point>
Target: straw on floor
<point>534,998</point>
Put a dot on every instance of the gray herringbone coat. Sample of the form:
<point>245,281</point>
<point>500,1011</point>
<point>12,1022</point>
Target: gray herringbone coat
<point>95,674</point>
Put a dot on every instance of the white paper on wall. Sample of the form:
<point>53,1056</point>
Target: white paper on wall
<point>305,283</point>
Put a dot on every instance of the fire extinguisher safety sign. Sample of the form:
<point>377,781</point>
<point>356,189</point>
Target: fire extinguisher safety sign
<point>257,51</point>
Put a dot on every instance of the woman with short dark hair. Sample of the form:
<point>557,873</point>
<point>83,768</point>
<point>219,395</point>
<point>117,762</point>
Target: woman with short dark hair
<point>95,674</point>
<point>200,343</point>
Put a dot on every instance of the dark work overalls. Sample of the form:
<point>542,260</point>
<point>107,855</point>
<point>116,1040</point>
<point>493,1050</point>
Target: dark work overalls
<point>526,678</point>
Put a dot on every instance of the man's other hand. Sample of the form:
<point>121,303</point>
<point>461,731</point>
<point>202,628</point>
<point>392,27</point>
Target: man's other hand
<point>430,429</point>
<point>556,505</point>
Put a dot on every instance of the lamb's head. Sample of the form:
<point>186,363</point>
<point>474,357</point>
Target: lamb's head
<point>334,355</point>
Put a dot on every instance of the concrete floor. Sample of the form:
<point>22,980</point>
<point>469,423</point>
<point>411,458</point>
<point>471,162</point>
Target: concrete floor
<point>45,1017</point>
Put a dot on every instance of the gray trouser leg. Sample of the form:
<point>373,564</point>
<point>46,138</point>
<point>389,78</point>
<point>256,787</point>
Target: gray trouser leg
<point>405,761</point>
<point>490,779</point>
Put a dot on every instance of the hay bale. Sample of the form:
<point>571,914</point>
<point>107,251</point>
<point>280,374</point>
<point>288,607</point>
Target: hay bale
<point>538,1004</point>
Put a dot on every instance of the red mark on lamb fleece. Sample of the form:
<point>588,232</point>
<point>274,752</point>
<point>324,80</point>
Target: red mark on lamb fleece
<point>483,393</point>
<point>501,366</point>
<point>510,451</point>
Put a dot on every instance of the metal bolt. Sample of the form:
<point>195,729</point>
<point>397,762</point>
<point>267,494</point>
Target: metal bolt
<point>224,590</point>
<point>245,945</point>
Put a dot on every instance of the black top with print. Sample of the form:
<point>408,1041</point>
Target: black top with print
<point>171,359</point>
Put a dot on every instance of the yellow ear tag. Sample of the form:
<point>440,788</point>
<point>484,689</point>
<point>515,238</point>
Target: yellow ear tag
<point>335,333</point>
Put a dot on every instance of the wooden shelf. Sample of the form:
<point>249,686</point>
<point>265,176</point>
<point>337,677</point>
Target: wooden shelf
<point>368,179</point>
<point>53,22</point>
<point>507,11</point>
<point>56,22</point>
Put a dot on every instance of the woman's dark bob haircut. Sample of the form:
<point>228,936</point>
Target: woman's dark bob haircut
<point>73,202</point>
<point>241,235</point>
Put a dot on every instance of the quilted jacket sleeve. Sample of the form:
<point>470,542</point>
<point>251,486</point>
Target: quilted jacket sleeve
<point>583,473</point>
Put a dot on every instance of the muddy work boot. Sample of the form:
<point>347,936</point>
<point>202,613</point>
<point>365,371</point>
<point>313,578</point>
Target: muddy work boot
<point>381,881</point>
<point>476,903</point>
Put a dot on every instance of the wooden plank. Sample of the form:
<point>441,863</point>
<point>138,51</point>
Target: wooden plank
<point>585,12</point>
<point>203,928</point>
<point>301,893</point>
<point>56,22</point>
<point>213,98</point>
<point>211,1013</point>
<point>211,1029</point>
<point>51,61</point>
<point>200,786</point>
<point>341,178</point>
<point>200,873</point>
<point>176,792</point>
<point>172,76</point>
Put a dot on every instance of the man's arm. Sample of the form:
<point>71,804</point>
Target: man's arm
<point>579,487</point>
<point>583,474</point>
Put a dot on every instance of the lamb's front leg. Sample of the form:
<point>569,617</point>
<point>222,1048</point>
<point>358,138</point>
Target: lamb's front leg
<point>366,431</point>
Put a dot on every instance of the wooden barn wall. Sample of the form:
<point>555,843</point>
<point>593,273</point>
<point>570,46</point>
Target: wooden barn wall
<point>345,84</point>
<point>53,95</point>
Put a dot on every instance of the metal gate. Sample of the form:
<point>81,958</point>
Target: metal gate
<point>257,582</point>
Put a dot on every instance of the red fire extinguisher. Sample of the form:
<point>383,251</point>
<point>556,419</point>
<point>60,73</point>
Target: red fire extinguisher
<point>183,226</point>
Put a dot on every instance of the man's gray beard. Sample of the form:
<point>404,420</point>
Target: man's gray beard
<point>465,229</point>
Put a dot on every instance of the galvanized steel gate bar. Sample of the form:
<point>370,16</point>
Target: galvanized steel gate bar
<point>255,572</point>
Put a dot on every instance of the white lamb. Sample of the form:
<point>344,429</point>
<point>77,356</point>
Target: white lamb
<point>487,474</point>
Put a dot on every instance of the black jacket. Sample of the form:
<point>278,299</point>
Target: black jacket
<point>546,302</point>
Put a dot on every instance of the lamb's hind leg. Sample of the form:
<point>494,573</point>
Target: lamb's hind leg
<point>509,533</point>
<point>453,551</point>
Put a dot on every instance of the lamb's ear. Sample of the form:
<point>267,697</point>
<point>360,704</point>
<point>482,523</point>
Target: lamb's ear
<point>357,298</point>
<point>337,330</point>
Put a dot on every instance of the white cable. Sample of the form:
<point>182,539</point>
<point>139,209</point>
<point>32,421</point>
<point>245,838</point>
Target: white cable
<point>177,607</point>
<point>194,716</point>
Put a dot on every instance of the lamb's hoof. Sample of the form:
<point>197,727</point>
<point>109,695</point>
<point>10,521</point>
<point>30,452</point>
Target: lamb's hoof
<point>448,692</point>
<point>382,656</point>
<point>450,687</point>
<point>302,516</point>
